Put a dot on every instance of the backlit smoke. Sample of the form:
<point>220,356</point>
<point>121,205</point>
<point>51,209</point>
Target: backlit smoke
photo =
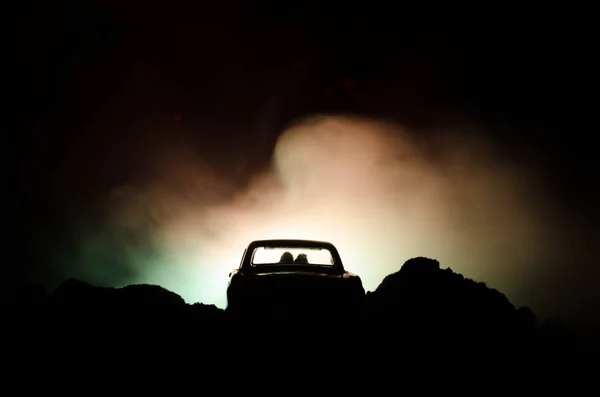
<point>370,187</point>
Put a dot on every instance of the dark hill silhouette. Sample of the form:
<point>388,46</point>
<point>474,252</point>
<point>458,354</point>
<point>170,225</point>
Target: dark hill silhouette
<point>442,311</point>
<point>77,294</point>
<point>419,311</point>
<point>422,292</point>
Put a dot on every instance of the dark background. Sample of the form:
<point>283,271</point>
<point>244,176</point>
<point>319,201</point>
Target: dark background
<point>527,73</point>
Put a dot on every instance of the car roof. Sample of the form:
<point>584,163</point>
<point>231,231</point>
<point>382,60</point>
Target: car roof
<point>291,243</point>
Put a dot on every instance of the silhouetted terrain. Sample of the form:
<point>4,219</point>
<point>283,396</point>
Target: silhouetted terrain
<point>420,312</point>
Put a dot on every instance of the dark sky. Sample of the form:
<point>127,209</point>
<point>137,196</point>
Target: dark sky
<point>92,83</point>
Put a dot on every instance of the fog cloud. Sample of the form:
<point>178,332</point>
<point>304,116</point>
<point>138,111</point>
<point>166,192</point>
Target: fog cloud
<point>373,188</point>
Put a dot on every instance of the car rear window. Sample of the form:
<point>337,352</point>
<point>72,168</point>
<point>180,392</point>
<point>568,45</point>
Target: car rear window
<point>292,255</point>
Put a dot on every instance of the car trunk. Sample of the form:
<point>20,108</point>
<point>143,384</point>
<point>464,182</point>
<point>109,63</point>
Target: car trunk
<point>298,289</point>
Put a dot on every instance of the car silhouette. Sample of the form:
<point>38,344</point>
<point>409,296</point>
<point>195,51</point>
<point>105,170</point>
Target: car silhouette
<point>293,275</point>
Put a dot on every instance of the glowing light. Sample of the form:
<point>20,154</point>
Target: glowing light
<point>364,186</point>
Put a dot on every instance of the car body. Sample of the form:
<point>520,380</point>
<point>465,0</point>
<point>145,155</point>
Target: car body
<point>268,278</point>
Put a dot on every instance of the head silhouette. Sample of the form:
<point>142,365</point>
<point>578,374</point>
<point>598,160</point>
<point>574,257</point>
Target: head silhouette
<point>286,257</point>
<point>301,258</point>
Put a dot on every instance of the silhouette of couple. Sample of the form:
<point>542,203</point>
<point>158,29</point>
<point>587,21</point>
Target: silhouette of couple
<point>287,257</point>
